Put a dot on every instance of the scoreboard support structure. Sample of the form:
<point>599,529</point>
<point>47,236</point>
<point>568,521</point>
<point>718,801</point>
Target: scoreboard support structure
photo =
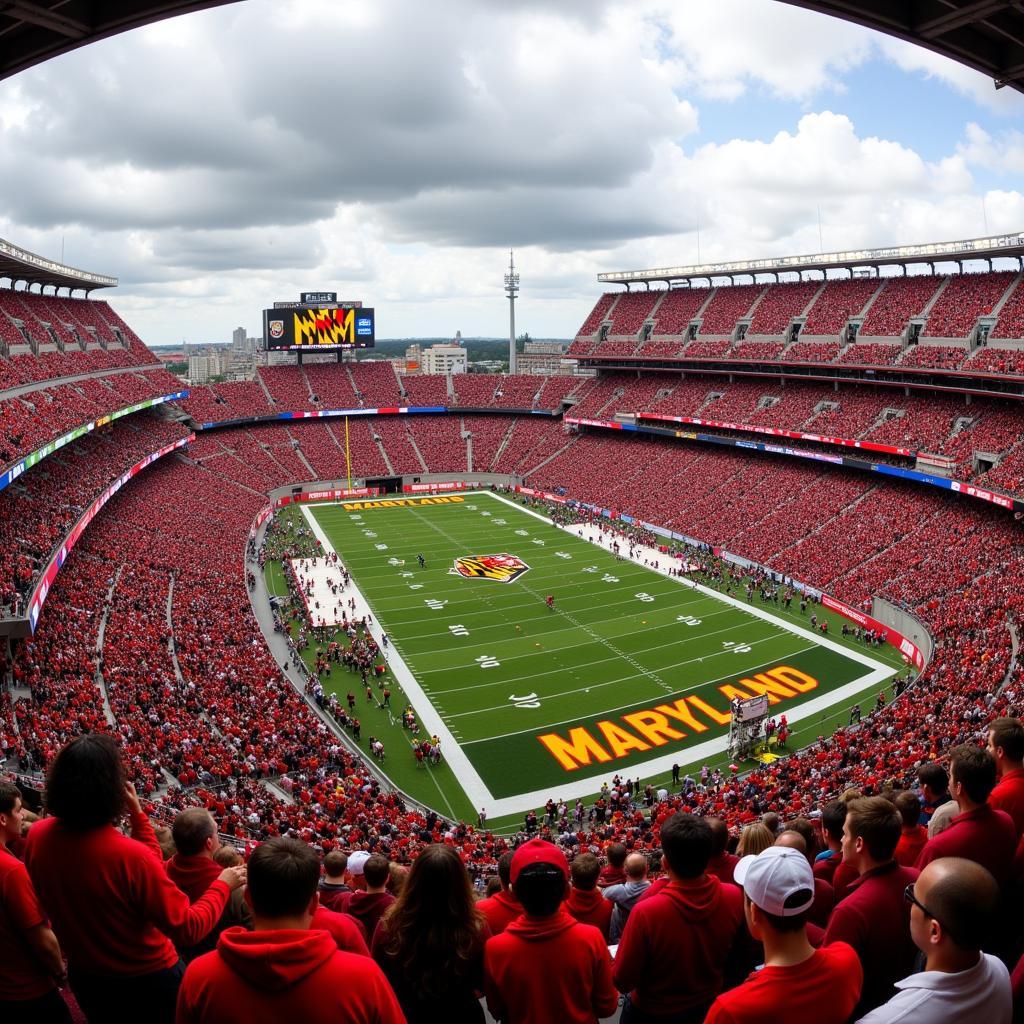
<point>746,726</point>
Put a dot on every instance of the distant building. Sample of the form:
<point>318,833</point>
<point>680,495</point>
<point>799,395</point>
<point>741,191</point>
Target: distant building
<point>204,365</point>
<point>239,341</point>
<point>413,359</point>
<point>543,357</point>
<point>449,358</point>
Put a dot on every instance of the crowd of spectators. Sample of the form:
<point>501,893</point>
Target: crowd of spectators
<point>677,309</point>
<point>900,299</point>
<point>780,304</point>
<point>963,300</point>
<point>631,311</point>
<point>837,302</point>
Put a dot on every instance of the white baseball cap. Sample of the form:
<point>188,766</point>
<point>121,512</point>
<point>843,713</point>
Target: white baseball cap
<point>356,861</point>
<point>774,878</point>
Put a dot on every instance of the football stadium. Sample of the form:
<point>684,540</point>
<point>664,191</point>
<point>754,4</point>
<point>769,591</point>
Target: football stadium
<point>569,692</point>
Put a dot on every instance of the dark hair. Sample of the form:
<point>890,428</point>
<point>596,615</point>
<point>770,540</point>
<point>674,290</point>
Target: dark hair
<point>1008,733</point>
<point>719,835</point>
<point>505,868</point>
<point>933,776</point>
<point>585,869</point>
<point>804,827</point>
<point>433,933</point>
<point>875,820</point>
<point>376,870</point>
<point>540,888</point>
<point>974,769</point>
<point>833,817</point>
<point>190,830</point>
<point>282,876</point>
<point>963,900</point>
<point>9,795</point>
<point>909,807</point>
<point>616,854</point>
<point>787,924</point>
<point>335,863</point>
<point>686,844</point>
<point>85,783</point>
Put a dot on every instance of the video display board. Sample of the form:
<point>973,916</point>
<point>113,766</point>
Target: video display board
<point>318,329</point>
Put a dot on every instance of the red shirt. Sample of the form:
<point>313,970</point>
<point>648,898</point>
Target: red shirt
<point>1008,796</point>
<point>113,907</point>
<point>875,920</point>
<point>501,910</point>
<point>984,835</point>
<point>346,931</point>
<point>590,907</point>
<point>21,974</point>
<point>722,866</point>
<point>908,849</point>
<point>550,970</point>
<point>366,907</point>
<point>823,989</point>
<point>674,949</point>
<point>287,975</point>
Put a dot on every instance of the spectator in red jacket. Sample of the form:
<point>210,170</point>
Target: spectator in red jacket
<point>368,906</point>
<point>284,971</point>
<point>193,870</point>
<point>546,967</point>
<point>31,966</point>
<point>979,832</point>
<point>722,863</point>
<point>913,835</point>
<point>875,918</point>
<point>1006,745</point>
<point>822,985</point>
<point>113,907</point>
<point>585,902</point>
<point>677,945</point>
<point>333,886</point>
<point>430,942</point>
<point>502,908</point>
<point>614,872</point>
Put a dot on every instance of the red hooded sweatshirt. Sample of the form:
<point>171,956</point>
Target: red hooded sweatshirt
<point>590,907</point>
<point>549,970</point>
<point>676,945</point>
<point>501,910</point>
<point>346,931</point>
<point>273,976</point>
<point>367,908</point>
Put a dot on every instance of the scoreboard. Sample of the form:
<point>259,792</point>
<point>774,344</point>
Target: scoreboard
<point>318,328</point>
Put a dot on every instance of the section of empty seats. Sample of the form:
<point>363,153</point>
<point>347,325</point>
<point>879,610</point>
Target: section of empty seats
<point>728,304</point>
<point>440,442</point>
<point>331,385</point>
<point>838,301</point>
<point>632,309</point>
<point>515,391</point>
<point>997,360</point>
<point>945,357</point>
<point>473,390</point>
<point>678,308</point>
<point>555,389</point>
<point>780,304</point>
<point>753,350</point>
<point>489,432</point>
<point>426,390</point>
<point>216,403</point>
<point>872,353</point>
<point>597,315</point>
<point>899,300</point>
<point>376,384</point>
<point>813,352</point>
<point>288,387</point>
<point>401,453</point>
<point>963,300</point>
<point>1011,317</point>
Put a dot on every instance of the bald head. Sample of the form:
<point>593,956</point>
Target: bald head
<point>636,867</point>
<point>961,896</point>
<point>793,840</point>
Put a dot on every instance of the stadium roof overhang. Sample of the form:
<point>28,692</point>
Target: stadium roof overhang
<point>987,35</point>
<point>21,265</point>
<point>995,247</point>
<point>31,32</point>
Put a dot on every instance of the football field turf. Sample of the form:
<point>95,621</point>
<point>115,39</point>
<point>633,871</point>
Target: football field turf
<point>629,672</point>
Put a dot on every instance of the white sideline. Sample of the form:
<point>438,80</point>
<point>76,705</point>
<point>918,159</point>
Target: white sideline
<point>475,787</point>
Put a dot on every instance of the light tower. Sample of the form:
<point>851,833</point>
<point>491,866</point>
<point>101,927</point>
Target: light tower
<point>511,290</point>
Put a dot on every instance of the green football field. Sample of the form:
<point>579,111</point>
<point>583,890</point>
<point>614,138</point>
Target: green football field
<point>629,672</point>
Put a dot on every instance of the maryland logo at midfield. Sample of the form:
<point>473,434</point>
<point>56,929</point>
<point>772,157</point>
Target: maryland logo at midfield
<point>503,568</point>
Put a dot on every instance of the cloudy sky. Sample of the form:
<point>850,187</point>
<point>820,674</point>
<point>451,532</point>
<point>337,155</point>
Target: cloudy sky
<point>393,150</point>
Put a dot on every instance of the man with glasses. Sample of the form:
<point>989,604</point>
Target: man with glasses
<point>951,908</point>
